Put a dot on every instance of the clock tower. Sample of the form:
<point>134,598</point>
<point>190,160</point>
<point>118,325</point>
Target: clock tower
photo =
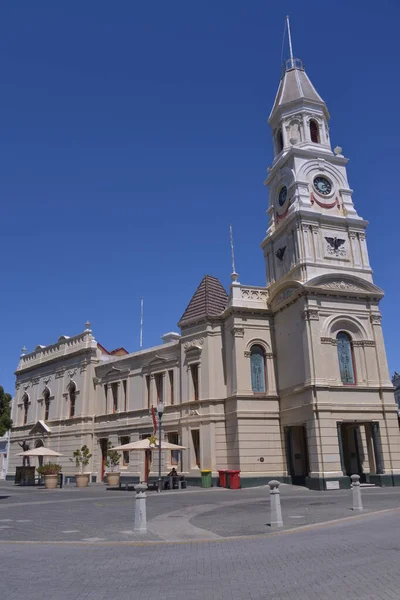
<point>314,228</point>
<point>337,411</point>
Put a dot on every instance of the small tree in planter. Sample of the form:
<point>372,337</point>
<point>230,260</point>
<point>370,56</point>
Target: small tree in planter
<point>112,463</point>
<point>82,457</point>
<point>50,473</point>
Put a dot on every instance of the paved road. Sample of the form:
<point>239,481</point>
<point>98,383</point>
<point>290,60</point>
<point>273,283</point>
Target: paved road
<point>95,514</point>
<point>356,559</point>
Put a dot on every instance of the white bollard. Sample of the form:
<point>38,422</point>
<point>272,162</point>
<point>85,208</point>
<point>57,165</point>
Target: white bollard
<point>140,508</point>
<point>356,490</point>
<point>275,500</point>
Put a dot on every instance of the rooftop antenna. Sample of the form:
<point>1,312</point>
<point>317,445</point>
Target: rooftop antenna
<point>234,275</point>
<point>141,324</point>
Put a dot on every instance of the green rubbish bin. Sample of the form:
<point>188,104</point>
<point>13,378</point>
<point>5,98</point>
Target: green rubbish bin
<point>206,479</point>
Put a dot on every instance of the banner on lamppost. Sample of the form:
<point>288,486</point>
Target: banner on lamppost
<point>153,414</point>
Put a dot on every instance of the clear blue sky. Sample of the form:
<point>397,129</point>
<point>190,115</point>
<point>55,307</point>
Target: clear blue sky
<point>132,133</point>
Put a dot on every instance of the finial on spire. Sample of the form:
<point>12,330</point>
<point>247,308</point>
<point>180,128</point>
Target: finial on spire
<point>234,275</point>
<point>23,350</point>
<point>289,36</point>
<point>290,63</point>
<point>87,325</point>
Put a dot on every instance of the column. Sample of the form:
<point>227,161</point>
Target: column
<point>271,380</point>
<point>288,450</point>
<point>153,391</point>
<point>163,394</point>
<point>120,406</point>
<point>377,448</point>
<point>109,399</point>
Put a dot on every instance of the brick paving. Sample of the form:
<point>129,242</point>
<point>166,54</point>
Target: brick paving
<point>356,559</point>
<point>74,515</point>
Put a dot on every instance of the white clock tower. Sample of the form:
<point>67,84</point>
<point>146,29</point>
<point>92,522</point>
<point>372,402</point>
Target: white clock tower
<point>313,226</point>
<point>337,410</point>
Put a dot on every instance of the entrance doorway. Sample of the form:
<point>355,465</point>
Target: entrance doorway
<point>353,451</point>
<point>103,449</point>
<point>297,453</point>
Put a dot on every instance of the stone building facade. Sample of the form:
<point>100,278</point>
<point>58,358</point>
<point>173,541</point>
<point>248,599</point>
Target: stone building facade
<point>288,381</point>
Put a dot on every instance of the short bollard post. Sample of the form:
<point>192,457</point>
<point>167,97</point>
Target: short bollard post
<point>275,500</point>
<point>140,508</point>
<point>356,490</point>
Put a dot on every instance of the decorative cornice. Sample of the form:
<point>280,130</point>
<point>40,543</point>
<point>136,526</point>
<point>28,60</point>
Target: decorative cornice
<point>328,340</point>
<point>311,314</point>
<point>355,343</point>
<point>376,319</point>
<point>193,344</point>
<point>60,373</point>
<point>342,285</point>
<point>237,332</point>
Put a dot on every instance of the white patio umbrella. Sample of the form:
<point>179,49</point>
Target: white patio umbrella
<point>41,451</point>
<point>146,445</point>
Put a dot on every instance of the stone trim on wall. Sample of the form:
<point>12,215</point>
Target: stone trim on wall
<point>359,343</point>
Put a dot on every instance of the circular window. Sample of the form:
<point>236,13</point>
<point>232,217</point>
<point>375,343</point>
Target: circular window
<point>323,186</point>
<point>282,195</point>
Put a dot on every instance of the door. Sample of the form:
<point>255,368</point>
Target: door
<point>103,449</point>
<point>297,454</point>
<point>353,454</point>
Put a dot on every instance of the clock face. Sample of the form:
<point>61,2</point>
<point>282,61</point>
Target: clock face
<point>282,195</point>
<point>323,185</point>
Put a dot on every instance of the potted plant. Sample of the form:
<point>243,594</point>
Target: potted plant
<point>82,457</point>
<point>50,473</point>
<point>112,463</point>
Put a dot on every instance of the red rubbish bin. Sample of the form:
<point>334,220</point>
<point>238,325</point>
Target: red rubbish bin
<point>222,478</point>
<point>233,479</point>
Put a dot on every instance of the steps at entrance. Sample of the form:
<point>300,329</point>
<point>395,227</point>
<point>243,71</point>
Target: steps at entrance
<point>367,485</point>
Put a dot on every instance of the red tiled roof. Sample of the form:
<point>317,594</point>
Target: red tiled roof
<point>209,300</point>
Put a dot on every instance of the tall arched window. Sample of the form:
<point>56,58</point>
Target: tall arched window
<point>345,356</point>
<point>257,366</point>
<point>314,132</point>
<point>46,401</point>
<point>279,141</point>
<point>25,401</point>
<point>72,398</point>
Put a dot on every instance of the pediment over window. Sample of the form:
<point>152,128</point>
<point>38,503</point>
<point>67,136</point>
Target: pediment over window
<point>285,292</point>
<point>344,284</point>
<point>158,363</point>
<point>114,371</point>
<point>40,428</point>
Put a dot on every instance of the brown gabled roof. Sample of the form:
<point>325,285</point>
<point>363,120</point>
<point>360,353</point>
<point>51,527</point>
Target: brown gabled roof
<point>209,300</point>
<point>116,352</point>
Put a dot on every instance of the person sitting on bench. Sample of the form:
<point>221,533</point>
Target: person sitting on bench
<point>171,475</point>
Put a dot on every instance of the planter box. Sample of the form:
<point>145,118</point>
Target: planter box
<point>113,479</point>
<point>82,479</point>
<point>50,482</point>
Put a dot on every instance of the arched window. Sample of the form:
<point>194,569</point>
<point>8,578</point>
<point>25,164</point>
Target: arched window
<point>314,132</point>
<point>345,356</point>
<point>25,401</point>
<point>72,398</point>
<point>46,400</point>
<point>257,366</point>
<point>279,141</point>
